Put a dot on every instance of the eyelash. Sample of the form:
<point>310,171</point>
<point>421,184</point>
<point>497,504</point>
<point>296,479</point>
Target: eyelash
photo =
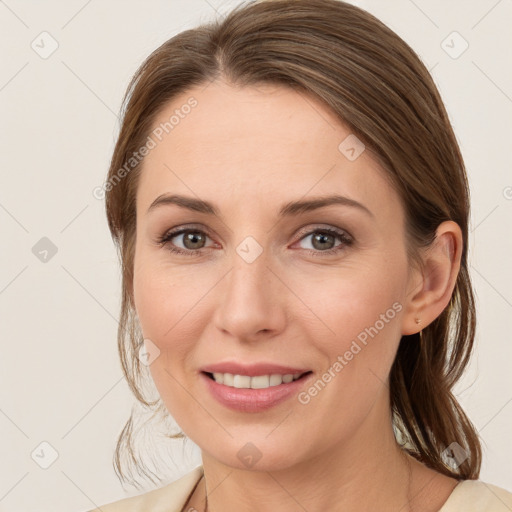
<point>346,240</point>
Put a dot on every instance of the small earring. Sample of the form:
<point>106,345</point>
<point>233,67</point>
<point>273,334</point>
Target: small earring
<point>417,320</point>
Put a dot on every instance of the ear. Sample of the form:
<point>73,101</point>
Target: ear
<point>429,292</point>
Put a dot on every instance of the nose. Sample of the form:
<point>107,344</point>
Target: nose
<point>253,300</point>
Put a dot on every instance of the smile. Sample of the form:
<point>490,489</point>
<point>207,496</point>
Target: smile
<point>251,394</point>
<point>254,382</point>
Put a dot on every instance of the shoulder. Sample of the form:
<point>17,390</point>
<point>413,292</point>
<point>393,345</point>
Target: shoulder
<point>478,496</point>
<point>170,498</point>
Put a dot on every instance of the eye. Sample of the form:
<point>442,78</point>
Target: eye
<point>323,241</point>
<point>193,241</point>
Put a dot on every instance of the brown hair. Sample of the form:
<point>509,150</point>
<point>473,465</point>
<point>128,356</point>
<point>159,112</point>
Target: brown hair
<point>376,84</point>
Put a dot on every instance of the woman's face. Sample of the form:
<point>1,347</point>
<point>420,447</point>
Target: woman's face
<point>267,284</point>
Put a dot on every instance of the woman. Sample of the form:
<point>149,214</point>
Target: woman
<point>311,378</point>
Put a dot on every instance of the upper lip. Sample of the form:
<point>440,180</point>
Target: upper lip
<point>253,369</point>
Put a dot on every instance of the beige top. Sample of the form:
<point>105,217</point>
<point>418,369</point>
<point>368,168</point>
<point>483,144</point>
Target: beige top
<point>467,496</point>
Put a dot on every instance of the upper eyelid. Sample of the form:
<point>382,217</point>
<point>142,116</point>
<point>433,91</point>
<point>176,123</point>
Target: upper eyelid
<point>306,230</point>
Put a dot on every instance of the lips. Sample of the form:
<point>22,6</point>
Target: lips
<point>253,400</point>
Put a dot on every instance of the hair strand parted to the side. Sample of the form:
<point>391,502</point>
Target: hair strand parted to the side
<point>375,83</point>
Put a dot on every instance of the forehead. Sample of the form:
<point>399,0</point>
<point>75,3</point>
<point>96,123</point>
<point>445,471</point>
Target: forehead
<point>261,141</point>
<point>253,121</point>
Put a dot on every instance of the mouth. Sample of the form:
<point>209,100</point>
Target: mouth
<point>255,381</point>
<point>257,392</point>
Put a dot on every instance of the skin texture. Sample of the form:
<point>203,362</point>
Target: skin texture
<point>249,151</point>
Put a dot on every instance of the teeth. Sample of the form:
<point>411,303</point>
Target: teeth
<point>256,382</point>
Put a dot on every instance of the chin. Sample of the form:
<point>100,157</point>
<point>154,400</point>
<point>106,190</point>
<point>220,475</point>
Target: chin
<point>256,453</point>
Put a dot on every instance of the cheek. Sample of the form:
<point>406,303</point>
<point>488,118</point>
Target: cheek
<point>161,296</point>
<point>148,296</point>
<point>356,300</point>
<point>362,312</point>
<point>162,314</point>
<point>170,315</point>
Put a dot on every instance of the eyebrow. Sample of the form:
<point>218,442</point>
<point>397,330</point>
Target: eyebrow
<point>288,209</point>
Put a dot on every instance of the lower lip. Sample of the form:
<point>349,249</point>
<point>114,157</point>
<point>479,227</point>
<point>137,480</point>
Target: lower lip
<point>253,400</point>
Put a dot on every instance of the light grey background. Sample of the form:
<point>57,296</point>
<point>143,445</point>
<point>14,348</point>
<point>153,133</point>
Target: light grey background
<point>61,381</point>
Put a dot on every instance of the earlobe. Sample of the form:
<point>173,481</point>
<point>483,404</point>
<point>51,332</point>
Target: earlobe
<point>427,300</point>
